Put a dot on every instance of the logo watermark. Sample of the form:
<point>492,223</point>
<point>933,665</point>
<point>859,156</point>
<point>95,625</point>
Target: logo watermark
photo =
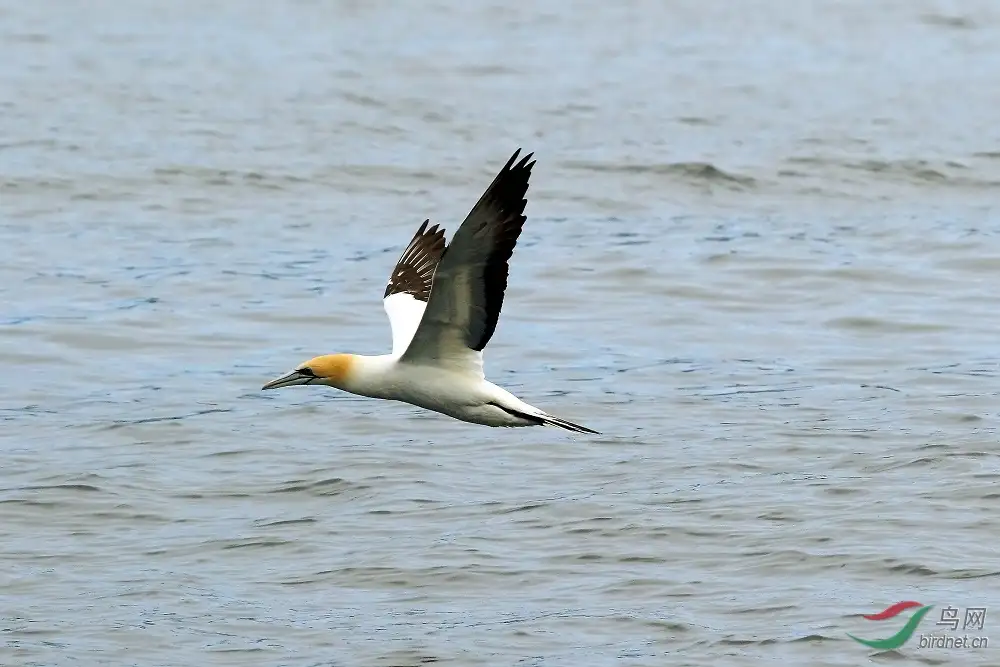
<point>973,619</point>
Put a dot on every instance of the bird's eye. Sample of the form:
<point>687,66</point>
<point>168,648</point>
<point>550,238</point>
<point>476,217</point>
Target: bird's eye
<point>308,372</point>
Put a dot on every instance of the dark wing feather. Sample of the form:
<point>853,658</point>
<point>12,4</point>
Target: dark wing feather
<point>414,272</point>
<point>500,212</point>
<point>471,279</point>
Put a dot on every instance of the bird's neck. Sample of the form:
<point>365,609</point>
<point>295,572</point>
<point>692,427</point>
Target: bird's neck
<point>371,375</point>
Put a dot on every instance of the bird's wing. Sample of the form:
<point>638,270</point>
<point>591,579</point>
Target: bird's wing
<point>467,293</point>
<point>410,284</point>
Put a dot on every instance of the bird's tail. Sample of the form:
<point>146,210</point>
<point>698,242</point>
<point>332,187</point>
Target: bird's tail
<point>568,425</point>
<point>535,416</point>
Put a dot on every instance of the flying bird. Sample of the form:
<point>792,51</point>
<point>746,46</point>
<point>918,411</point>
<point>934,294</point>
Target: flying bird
<point>443,305</point>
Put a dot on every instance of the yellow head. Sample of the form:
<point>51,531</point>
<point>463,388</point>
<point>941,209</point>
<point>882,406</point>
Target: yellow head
<point>333,370</point>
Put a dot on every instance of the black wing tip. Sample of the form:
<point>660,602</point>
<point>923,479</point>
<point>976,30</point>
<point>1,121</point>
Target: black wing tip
<point>414,270</point>
<point>506,196</point>
<point>432,231</point>
<point>523,164</point>
<point>512,181</point>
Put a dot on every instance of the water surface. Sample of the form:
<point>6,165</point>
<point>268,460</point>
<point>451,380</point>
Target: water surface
<point>761,257</point>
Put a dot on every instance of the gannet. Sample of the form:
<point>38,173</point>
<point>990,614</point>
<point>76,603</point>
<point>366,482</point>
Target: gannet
<point>443,305</point>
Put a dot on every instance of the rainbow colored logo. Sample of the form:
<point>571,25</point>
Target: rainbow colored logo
<point>901,637</point>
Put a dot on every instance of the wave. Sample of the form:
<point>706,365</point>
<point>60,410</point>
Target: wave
<point>703,172</point>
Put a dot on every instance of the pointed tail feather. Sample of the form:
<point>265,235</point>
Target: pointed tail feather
<point>568,425</point>
<point>538,417</point>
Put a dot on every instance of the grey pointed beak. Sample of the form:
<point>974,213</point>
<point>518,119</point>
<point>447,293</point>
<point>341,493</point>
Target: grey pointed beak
<point>293,378</point>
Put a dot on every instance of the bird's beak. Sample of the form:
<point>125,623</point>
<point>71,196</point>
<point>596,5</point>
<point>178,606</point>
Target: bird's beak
<point>293,378</point>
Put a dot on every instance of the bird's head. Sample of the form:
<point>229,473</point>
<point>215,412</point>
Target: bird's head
<point>333,370</point>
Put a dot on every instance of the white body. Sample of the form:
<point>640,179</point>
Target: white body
<point>441,389</point>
